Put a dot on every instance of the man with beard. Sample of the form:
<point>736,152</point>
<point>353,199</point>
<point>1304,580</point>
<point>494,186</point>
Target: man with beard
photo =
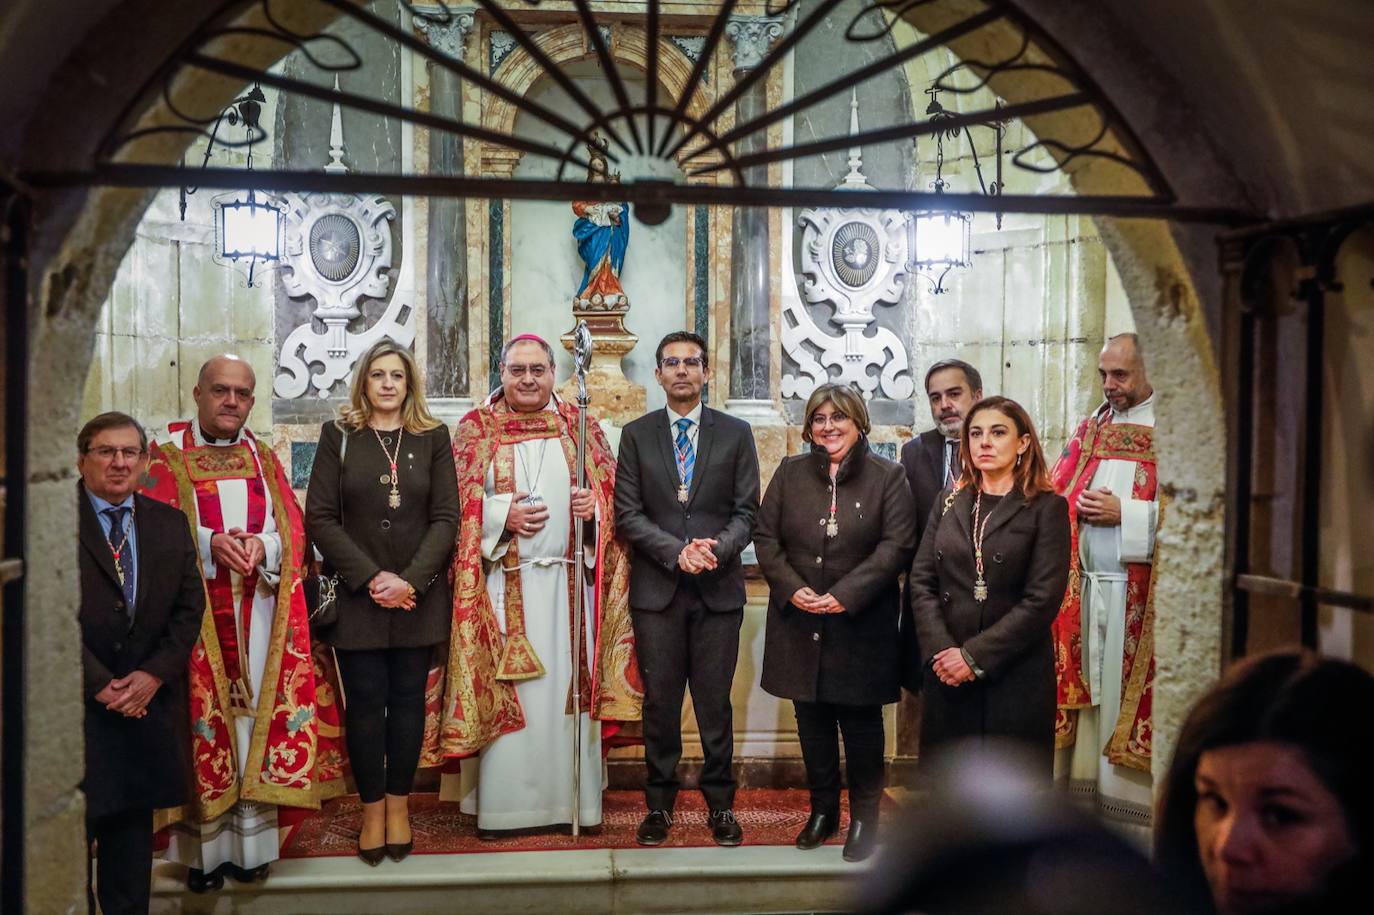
<point>1104,634</point>
<point>931,459</point>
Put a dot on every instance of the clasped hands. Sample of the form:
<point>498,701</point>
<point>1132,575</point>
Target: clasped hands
<point>525,519</point>
<point>239,550</point>
<point>1099,506</point>
<point>697,556</point>
<point>809,601</point>
<point>391,591</point>
<point>949,665</point>
<point>129,696</point>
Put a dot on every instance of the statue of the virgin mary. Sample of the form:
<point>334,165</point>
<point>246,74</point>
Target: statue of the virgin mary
<point>602,232</point>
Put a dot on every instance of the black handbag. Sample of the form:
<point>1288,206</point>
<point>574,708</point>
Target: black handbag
<point>324,610</point>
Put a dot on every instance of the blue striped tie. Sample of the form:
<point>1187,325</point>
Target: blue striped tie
<point>686,454</point>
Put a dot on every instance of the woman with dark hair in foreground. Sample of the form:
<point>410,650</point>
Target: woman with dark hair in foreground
<point>1266,807</point>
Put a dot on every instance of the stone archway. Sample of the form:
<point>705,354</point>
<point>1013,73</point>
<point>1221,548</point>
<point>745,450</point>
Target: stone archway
<point>82,235</point>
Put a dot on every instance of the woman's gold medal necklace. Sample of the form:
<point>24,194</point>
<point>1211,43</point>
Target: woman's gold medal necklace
<point>394,500</point>
<point>980,587</point>
<point>832,526</point>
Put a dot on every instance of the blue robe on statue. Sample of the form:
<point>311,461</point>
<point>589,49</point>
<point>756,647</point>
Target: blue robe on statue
<point>601,246</point>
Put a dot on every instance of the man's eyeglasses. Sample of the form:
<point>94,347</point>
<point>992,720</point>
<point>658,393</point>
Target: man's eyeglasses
<point>107,453</point>
<point>672,362</point>
<point>538,370</point>
<point>835,419</point>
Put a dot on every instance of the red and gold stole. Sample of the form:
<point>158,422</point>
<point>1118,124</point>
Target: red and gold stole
<point>479,701</point>
<point>284,759</point>
<point>1097,439</point>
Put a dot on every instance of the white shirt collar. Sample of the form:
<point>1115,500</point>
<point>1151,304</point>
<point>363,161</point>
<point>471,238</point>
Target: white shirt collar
<point>100,504</point>
<point>200,438</point>
<point>694,415</point>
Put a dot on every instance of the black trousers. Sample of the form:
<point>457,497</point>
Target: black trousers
<point>686,644</point>
<point>384,713</point>
<point>819,725</point>
<point>124,861</point>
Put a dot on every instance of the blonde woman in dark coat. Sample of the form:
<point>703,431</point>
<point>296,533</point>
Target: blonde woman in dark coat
<point>385,517</point>
<point>983,621</point>
<point>835,530</point>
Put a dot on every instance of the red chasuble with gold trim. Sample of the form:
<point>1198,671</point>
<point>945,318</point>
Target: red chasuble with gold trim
<point>1098,439</point>
<point>479,701</point>
<point>295,755</point>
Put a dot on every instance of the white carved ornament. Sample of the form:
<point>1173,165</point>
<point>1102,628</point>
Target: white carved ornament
<point>337,251</point>
<point>853,260</point>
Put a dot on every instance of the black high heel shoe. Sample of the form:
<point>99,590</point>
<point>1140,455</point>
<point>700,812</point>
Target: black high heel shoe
<point>371,856</point>
<point>397,851</point>
<point>818,828</point>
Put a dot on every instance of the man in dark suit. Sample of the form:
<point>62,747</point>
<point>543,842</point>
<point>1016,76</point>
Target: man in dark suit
<point>931,462</point>
<point>141,605</point>
<point>931,459</point>
<point>686,495</point>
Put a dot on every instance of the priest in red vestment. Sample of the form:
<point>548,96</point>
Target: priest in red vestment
<point>1104,634</point>
<point>508,688</point>
<point>263,735</point>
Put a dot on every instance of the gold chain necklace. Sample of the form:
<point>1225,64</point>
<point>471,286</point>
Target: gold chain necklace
<point>980,587</point>
<point>118,551</point>
<point>394,500</point>
<point>832,525</point>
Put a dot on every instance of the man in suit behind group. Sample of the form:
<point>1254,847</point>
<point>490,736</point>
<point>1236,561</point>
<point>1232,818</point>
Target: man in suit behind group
<point>931,459</point>
<point>141,605</point>
<point>686,496</point>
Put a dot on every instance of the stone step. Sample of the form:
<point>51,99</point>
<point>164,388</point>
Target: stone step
<point>752,879</point>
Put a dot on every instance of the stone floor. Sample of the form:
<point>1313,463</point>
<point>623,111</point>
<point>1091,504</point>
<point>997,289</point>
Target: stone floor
<point>752,879</point>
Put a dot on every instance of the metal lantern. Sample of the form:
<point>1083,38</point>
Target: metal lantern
<point>943,242</point>
<point>247,228</point>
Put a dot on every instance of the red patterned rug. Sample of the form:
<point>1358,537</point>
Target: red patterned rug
<point>769,817</point>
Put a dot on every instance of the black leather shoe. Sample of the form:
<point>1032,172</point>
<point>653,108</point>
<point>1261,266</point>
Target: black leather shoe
<point>247,875</point>
<point>372,856</point>
<point>398,851</point>
<point>653,829</point>
<point>818,828</point>
<point>197,881</point>
<point>725,829</point>
<point>861,841</point>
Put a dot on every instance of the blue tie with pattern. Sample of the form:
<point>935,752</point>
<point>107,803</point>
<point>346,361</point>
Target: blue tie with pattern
<point>686,454</point>
<point>124,560</point>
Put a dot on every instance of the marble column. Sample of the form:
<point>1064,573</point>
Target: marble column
<point>750,257</point>
<point>446,364</point>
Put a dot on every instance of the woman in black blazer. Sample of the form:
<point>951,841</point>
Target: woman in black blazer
<point>983,621</point>
<point>836,529</point>
<point>383,509</point>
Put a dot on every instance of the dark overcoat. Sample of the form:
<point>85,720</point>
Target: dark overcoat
<point>363,535</point>
<point>923,459</point>
<point>850,658</point>
<point>1026,567</point>
<point>138,763</point>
